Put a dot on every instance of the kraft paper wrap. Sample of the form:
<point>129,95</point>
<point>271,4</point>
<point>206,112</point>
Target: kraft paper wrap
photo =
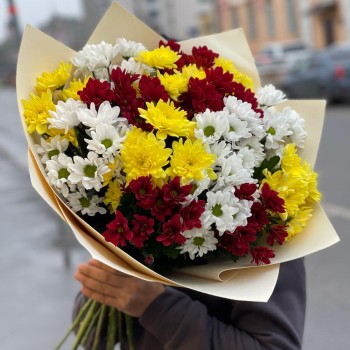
<point>222,277</point>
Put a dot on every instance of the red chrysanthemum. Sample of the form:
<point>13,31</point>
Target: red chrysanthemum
<point>151,89</point>
<point>276,233</point>
<point>223,82</point>
<point>161,209</point>
<point>202,57</point>
<point>261,255</point>
<point>171,232</point>
<point>238,241</point>
<point>142,228</point>
<point>259,216</point>
<point>96,92</point>
<point>174,192</point>
<point>145,192</point>
<point>118,231</point>
<point>270,199</point>
<point>200,96</point>
<point>245,191</point>
<point>191,214</point>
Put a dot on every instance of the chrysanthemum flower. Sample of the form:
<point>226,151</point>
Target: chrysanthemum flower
<point>55,80</point>
<point>144,155</point>
<point>36,112</point>
<point>72,90</point>
<point>129,48</point>
<point>175,84</point>
<point>51,148</point>
<point>191,161</point>
<point>161,58</point>
<point>71,135</point>
<point>113,195</point>
<point>198,243</point>
<point>118,231</point>
<point>79,201</point>
<point>296,224</point>
<point>88,171</point>
<point>167,119</point>
<point>65,117</point>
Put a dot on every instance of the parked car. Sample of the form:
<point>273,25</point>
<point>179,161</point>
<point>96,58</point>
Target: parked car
<point>321,74</point>
<point>274,59</point>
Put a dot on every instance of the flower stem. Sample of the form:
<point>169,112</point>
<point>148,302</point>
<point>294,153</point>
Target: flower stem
<point>75,322</point>
<point>129,333</point>
<point>91,325</point>
<point>112,328</point>
<point>99,326</point>
<point>84,325</point>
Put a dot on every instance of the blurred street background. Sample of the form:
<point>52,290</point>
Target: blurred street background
<point>301,46</point>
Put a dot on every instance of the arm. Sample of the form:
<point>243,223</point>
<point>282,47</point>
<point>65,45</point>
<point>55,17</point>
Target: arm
<point>179,322</point>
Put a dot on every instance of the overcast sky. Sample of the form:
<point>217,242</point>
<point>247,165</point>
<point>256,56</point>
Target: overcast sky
<point>36,12</point>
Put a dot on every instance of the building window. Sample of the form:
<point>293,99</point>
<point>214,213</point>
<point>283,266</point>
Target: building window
<point>291,16</point>
<point>251,20</point>
<point>235,17</point>
<point>270,19</point>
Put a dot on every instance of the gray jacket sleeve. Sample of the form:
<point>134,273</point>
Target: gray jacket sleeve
<point>181,323</point>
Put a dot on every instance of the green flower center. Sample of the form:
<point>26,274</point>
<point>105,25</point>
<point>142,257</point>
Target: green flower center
<point>198,241</point>
<point>217,211</point>
<point>52,153</point>
<point>90,170</point>
<point>107,143</point>
<point>85,202</point>
<point>63,173</point>
<point>209,131</point>
<point>232,128</point>
<point>271,131</point>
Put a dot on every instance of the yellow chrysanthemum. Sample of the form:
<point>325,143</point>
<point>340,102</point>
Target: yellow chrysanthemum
<point>192,71</point>
<point>36,112</point>
<point>293,189</point>
<point>161,58</point>
<point>107,177</point>
<point>143,155</point>
<point>174,84</point>
<point>71,136</point>
<point>113,196</point>
<point>238,76</point>
<point>298,222</point>
<point>191,161</point>
<point>167,119</point>
<point>54,80</point>
<point>72,91</point>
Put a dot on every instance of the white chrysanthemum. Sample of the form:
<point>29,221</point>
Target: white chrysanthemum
<point>105,141</point>
<point>233,173</point>
<point>268,95</point>
<point>220,209</point>
<point>243,213</point>
<point>211,126</point>
<point>66,116</point>
<point>248,157</point>
<point>129,48</point>
<point>47,150</point>
<point>277,129</point>
<point>198,243</point>
<point>80,202</point>
<point>296,125</point>
<point>200,187</point>
<point>133,67</point>
<point>106,114</point>
<point>88,171</point>
<point>222,150</point>
<point>255,146</point>
<point>244,111</point>
<point>58,173</point>
<point>95,57</point>
<point>238,129</point>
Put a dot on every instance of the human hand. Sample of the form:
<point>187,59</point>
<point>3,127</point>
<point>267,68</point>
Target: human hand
<point>128,294</point>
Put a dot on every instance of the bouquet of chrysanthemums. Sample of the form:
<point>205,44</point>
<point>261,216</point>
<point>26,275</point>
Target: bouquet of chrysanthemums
<point>165,160</point>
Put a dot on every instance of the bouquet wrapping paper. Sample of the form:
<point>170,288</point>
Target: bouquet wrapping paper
<point>221,277</point>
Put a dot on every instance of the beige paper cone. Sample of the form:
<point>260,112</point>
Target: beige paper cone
<point>238,281</point>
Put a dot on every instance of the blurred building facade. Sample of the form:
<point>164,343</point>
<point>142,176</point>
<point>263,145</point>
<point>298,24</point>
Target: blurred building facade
<point>317,23</point>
